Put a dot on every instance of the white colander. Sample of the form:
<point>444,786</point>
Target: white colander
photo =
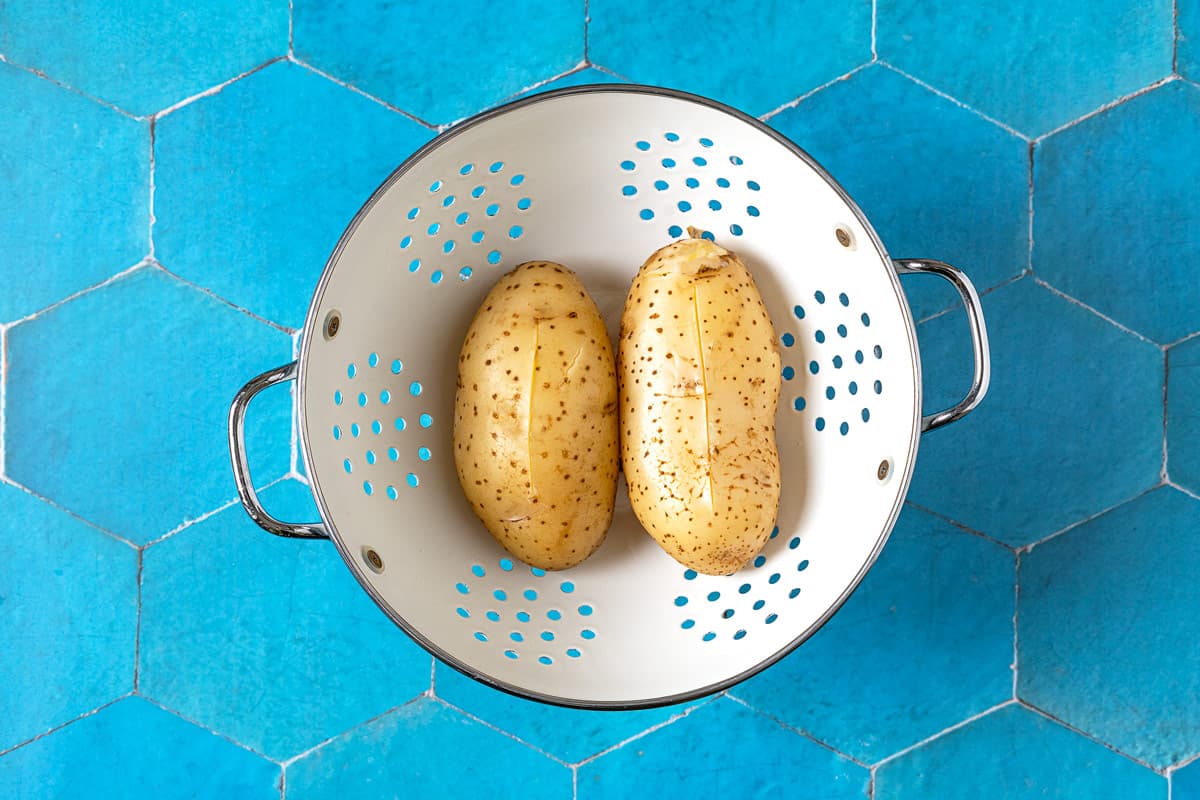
<point>597,178</point>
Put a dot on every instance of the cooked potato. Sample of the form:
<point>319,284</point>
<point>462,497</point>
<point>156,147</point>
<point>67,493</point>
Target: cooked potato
<point>535,425</point>
<point>699,384</point>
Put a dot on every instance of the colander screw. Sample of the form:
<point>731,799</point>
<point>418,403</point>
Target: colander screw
<point>885,467</point>
<point>331,326</point>
<point>843,237</point>
<point>372,558</point>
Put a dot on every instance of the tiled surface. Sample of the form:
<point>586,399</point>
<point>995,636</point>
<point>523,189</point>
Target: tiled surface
<point>179,180</point>
<point>1015,753</point>
<point>893,672</point>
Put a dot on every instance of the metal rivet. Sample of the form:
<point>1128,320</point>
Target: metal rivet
<point>333,323</point>
<point>885,467</point>
<point>372,559</point>
<point>843,237</point>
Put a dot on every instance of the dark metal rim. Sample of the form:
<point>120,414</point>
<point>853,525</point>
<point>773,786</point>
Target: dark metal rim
<point>309,335</point>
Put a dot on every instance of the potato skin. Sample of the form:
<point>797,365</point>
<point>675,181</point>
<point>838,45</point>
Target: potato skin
<point>698,367</point>
<point>535,425</point>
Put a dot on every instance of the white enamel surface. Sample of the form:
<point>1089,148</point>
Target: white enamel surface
<point>570,149</point>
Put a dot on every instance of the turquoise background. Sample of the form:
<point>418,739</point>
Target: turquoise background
<point>174,176</point>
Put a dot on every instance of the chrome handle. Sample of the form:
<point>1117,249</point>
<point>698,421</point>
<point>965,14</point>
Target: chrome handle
<point>979,338</point>
<point>241,466</point>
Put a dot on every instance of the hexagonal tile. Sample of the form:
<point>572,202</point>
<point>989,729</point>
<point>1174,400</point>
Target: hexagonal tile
<point>432,752</point>
<point>1072,424</point>
<point>1188,53</point>
<point>723,749</point>
<point>1015,753</point>
<point>1035,66</point>
<point>1185,783</point>
<point>143,56</point>
<point>1133,163</point>
<point>68,617</point>
<point>117,403</point>
<point>1100,617</point>
<point>135,749</point>
<point>1183,416</point>
<point>442,63</point>
<point>565,733</point>
<point>879,676</point>
<point>254,213</point>
<point>76,205</point>
<point>270,641</point>
<point>936,181</point>
<point>738,53</point>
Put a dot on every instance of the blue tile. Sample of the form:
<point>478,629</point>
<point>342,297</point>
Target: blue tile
<point>442,63</point>
<point>879,676</point>
<point>76,202</point>
<point>1115,211</point>
<point>118,401</point>
<point>134,749</point>
<point>935,181</point>
<point>1034,66</point>
<point>143,55</point>
<point>1185,784</point>
<point>565,733</point>
<point>1072,424</point>
<point>1105,613</point>
<point>1014,753</point>
<point>1188,19</point>
<point>752,57</point>
<point>723,749</point>
<point>68,617</point>
<point>267,640</point>
<point>1183,414</point>
<point>254,213</point>
<point>432,752</point>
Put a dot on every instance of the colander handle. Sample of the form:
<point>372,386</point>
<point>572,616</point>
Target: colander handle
<point>979,338</point>
<point>241,466</point>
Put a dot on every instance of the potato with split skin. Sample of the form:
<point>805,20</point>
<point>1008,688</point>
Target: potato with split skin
<point>535,418</point>
<point>699,377</point>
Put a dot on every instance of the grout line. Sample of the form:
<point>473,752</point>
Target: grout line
<point>799,732</point>
<point>1183,489</point>
<point>296,476</point>
<point>60,726</point>
<point>790,104</point>
<point>282,782</point>
<point>580,67</point>
<point>68,512</point>
<point>218,734</point>
<point>75,296</point>
<point>1016,665</point>
<point>1029,209</point>
<point>943,732</point>
<point>607,71</point>
<point>212,90</point>
<point>69,88</point>
<point>956,101</point>
<point>1100,314</point>
<point>500,730</point>
<point>1163,473</point>
<point>205,290</point>
<point>1108,106</point>
<point>587,23</point>
<point>291,48</point>
<point>432,677</point>
<point>1030,547</point>
<point>656,727</point>
<point>1188,761</point>
<point>1174,37</point>
<point>294,433</point>
<point>961,526</point>
<point>1042,712</point>
<point>957,304</point>
<point>871,784</point>
<point>213,512</point>
<point>137,635</point>
<point>575,783</point>
<point>874,29</point>
<point>304,753</point>
<point>1183,339</point>
<point>150,221</point>
<point>359,91</point>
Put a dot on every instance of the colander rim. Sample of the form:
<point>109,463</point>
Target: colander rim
<point>309,334</point>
